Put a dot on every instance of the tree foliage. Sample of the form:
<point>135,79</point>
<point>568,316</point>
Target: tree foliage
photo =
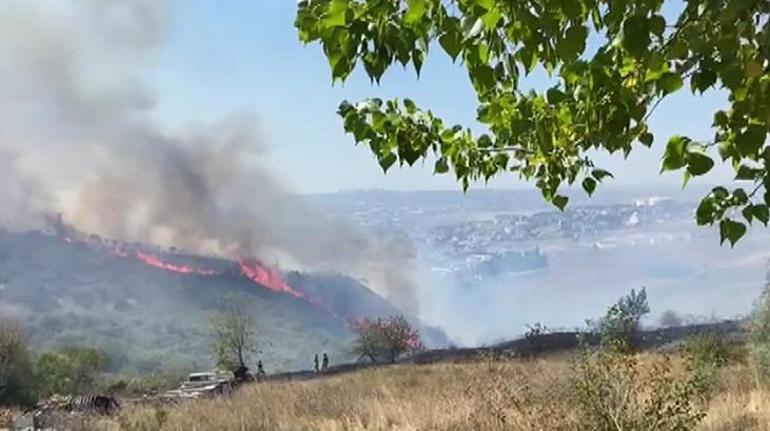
<point>234,336</point>
<point>16,378</point>
<point>71,370</point>
<point>620,324</point>
<point>601,99</point>
<point>385,340</point>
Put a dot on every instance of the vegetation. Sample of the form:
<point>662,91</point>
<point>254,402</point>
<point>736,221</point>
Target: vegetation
<point>385,340</point>
<point>601,94</point>
<point>234,332</point>
<point>616,391</point>
<point>519,395</point>
<point>72,370</point>
<point>15,366</point>
<point>620,324</point>
<point>759,335</point>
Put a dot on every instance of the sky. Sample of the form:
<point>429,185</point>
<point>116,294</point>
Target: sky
<point>223,58</point>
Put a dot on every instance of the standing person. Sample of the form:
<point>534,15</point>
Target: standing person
<point>325,364</point>
<point>315,363</point>
<point>260,369</point>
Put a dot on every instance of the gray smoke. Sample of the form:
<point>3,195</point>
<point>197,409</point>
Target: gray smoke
<point>76,136</point>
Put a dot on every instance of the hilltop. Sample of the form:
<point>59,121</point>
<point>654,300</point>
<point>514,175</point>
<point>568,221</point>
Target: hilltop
<point>150,319</point>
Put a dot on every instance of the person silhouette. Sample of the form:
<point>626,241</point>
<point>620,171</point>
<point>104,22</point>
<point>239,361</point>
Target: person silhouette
<point>325,364</point>
<point>315,363</point>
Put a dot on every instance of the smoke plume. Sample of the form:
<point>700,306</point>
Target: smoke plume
<point>77,136</point>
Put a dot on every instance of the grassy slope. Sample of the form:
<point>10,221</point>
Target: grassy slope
<point>148,319</point>
<point>513,395</point>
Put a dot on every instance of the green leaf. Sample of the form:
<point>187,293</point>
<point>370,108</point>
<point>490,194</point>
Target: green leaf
<point>657,25</point>
<point>646,139</point>
<point>750,141</point>
<point>589,185</point>
<point>761,213</point>
<point>731,231</point>
<point>491,18</point>
<point>442,166</point>
<point>336,14</point>
<point>704,214</point>
<point>670,82</point>
<point>747,214</point>
<point>483,78</point>
<point>636,35</point>
<point>702,80</point>
<point>698,163</point>
<point>600,174</point>
<point>574,42</point>
<point>554,95</point>
<point>746,173</point>
<point>415,11</point>
<point>387,161</point>
<point>674,156</point>
<point>451,40</point>
<point>411,108</point>
<point>560,201</point>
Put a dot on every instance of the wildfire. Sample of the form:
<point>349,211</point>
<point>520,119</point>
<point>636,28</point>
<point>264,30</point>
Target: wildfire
<point>151,260</point>
<point>250,269</point>
<point>271,279</point>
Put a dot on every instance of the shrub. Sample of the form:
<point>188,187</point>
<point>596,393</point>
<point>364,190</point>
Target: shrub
<point>71,370</point>
<point>534,339</point>
<point>16,377</point>
<point>616,391</point>
<point>385,339</point>
<point>759,335</point>
<point>619,325</point>
<point>706,354</point>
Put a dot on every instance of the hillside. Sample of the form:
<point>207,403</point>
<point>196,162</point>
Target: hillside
<point>151,319</point>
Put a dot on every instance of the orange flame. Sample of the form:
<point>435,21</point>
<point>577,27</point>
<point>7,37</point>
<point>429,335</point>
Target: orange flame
<point>151,260</point>
<point>271,279</point>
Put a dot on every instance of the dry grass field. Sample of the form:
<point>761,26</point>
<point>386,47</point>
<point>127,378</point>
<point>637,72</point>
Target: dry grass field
<point>484,395</point>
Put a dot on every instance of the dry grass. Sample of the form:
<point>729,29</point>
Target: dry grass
<point>488,395</point>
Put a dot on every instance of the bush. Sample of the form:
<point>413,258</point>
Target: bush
<point>620,324</point>
<point>706,354</point>
<point>385,339</point>
<point>759,335</point>
<point>616,391</point>
<point>16,377</point>
<point>534,339</point>
<point>71,370</point>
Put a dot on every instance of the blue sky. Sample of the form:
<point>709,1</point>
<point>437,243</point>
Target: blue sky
<point>221,58</point>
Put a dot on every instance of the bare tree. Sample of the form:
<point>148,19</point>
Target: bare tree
<point>234,335</point>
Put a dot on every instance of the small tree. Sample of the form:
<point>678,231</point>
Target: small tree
<point>619,326</point>
<point>16,376</point>
<point>71,370</point>
<point>234,335</point>
<point>385,339</point>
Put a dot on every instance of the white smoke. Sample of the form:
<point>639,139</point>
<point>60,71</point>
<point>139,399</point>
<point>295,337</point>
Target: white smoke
<point>77,136</point>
